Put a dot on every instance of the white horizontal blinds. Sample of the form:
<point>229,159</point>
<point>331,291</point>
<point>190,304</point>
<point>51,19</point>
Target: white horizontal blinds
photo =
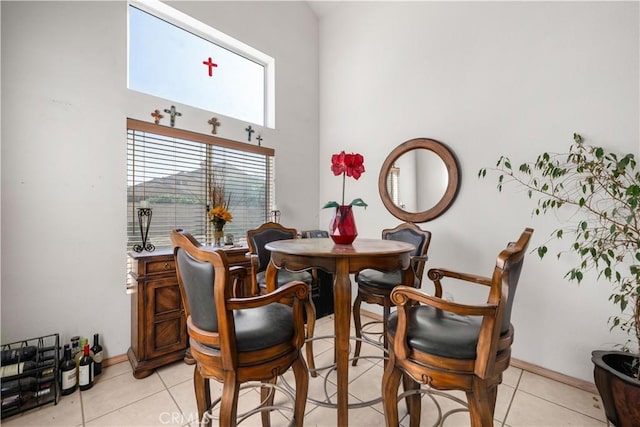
<point>246,178</point>
<point>393,184</point>
<point>271,198</point>
<point>170,169</point>
<point>169,174</point>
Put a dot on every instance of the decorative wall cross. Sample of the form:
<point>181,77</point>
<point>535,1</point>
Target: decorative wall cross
<point>156,116</point>
<point>249,131</point>
<point>215,123</point>
<point>259,139</point>
<point>173,113</point>
<point>211,65</point>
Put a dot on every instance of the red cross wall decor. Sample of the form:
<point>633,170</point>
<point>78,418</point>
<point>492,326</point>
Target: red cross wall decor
<point>211,65</point>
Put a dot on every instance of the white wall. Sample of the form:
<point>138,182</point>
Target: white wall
<point>64,152</point>
<point>514,78</point>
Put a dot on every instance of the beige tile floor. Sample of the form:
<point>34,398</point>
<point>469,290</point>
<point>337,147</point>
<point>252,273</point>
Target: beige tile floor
<point>166,398</point>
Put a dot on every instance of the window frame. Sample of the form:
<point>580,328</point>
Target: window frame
<point>173,16</point>
<point>209,141</point>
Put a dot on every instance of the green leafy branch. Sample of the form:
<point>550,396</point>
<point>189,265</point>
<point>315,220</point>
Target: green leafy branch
<point>604,189</point>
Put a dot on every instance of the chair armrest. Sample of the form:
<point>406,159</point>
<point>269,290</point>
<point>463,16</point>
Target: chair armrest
<point>403,295</point>
<point>238,274</point>
<point>296,289</point>
<point>437,274</point>
<point>254,259</point>
<point>238,270</point>
<point>418,258</point>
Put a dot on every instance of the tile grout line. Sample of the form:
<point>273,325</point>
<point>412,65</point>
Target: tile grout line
<point>81,408</point>
<point>166,387</point>
<point>513,396</point>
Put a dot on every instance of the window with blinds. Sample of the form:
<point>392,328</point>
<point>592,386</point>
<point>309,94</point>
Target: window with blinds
<point>171,171</point>
<point>393,185</point>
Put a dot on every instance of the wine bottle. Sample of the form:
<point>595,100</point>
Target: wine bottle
<point>15,355</point>
<point>26,368</point>
<point>75,347</point>
<point>85,371</point>
<point>83,342</point>
<point>21,399</point>
<point>97,356</point>
<point>26,384</point>
<point>68,373</point>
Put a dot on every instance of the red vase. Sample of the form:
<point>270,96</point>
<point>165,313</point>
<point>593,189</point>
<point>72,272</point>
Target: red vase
<point>342,227</point>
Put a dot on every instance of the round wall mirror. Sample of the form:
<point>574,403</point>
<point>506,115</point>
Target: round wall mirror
<point>419,180</point>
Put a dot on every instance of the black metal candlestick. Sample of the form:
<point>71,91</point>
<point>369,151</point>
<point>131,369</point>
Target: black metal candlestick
<point>144,219</point>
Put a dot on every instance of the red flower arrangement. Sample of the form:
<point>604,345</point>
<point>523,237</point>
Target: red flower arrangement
<point>342,228</point>
<point>351,165</point>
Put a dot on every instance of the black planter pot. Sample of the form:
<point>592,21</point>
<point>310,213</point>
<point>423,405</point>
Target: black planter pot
<point>620,393</point>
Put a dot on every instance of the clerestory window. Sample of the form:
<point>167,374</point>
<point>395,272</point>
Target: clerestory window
<point>174,56</point>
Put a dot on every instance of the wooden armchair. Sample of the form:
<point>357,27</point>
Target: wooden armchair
<point>374,287</point>
<point>453,346</point>
<point>260,258</point>
<point>235,340</point>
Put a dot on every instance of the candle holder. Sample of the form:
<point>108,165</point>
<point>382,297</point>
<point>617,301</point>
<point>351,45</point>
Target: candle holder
<point>144,219</point>
<point>275,215</point>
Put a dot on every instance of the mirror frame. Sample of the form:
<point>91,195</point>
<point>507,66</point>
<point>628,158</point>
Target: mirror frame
<point>450,194</point>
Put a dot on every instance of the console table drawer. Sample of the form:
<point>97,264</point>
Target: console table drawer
<point>158,267</point>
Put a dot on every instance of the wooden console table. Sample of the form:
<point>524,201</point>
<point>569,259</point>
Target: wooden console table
<point>158,325</point>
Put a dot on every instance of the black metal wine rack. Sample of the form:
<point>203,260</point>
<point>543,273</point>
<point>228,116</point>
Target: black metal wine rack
<point>47,360</point>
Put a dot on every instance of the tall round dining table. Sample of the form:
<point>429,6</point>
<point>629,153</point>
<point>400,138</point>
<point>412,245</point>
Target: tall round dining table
<point>341,261</point>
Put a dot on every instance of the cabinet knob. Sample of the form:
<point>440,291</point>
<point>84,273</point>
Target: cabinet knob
<point>167,266</point>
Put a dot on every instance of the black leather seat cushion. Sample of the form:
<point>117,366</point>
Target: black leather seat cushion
<point>263,327</point>
<point>379,279</point>
<point>284,277</point>
<point>439,332</point>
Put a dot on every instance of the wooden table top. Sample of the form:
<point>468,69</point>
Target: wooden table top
<point>325,247</point>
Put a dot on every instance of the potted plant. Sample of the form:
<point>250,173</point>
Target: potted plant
<point>603,189</point>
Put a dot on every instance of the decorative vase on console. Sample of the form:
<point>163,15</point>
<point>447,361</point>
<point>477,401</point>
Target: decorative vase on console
<point>342,228</point>
<point>218,234</point>
<point>219,216</point>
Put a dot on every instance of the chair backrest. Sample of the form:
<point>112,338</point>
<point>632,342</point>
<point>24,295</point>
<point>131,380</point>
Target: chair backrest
<point>508,268</point>
<point>411,233</point>
<point>266,233</point>
<point>196,277</point>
